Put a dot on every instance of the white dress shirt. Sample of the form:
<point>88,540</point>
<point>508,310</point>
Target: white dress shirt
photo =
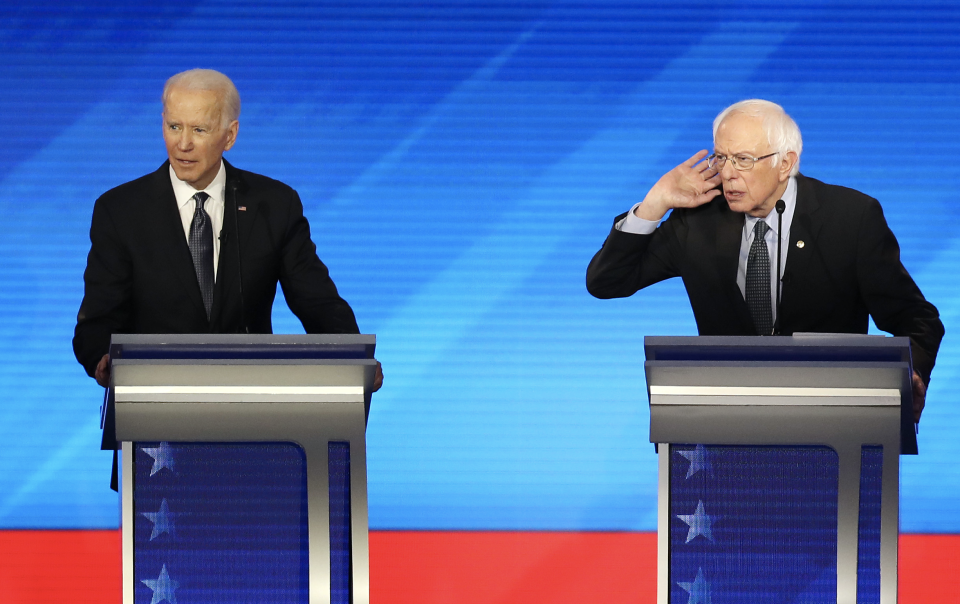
<point>213,206</point>
<point>638,226</point>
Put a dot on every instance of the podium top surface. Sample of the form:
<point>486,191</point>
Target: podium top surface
<point>798,347</point>
<point>700,360</point>
<point>242,346</point>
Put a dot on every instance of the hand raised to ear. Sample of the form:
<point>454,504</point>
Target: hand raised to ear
<point>691,184</point>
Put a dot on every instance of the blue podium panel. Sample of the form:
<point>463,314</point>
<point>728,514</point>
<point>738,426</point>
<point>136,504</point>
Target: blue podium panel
<point>220,523</point>
<point>753,524</point>
<point>759,524</point>
<point>341,545</point>
<point>868,527</point>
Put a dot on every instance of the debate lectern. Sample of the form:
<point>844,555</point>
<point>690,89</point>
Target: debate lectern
<point>779,466</point>
<point>243,466</point>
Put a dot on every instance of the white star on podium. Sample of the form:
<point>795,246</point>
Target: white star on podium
<point>162,520</point>
<point>698,460</point>
<point>163,587</point>
<point>699,589</point>
<point>162,457</point>
<point>699,523</point>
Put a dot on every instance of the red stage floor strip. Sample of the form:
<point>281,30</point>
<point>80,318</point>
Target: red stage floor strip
<point>60,566</point>
<point>527,568</point>
<point>56,567</point>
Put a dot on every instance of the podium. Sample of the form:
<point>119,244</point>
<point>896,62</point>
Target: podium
<point>243,466</point>
<point>778,466</point>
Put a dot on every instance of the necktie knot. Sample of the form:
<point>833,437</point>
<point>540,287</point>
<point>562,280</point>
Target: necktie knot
<point>760,229</point>
<point>201,197</point>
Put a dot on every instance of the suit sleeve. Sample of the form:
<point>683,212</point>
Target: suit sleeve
<point>105,309</point>
<point>628,262</point>
<point>307,286</point>
<point>892,297</point>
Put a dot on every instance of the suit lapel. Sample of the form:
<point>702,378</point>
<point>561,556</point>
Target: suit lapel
<point>171,238</point>
<point>239,210</point>
<point>805,228</point>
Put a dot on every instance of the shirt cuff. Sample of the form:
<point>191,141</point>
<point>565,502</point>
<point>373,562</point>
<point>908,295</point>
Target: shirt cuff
<point>636,226</point>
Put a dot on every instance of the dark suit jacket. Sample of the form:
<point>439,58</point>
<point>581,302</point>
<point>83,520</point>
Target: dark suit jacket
<point>849,267</point>
<point>140,276</point>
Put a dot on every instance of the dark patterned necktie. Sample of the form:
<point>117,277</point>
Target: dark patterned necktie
<point>758,281</point>
<point>201,248</point>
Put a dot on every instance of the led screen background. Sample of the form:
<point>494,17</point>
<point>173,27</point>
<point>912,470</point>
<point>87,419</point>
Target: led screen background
<point>460,163</point>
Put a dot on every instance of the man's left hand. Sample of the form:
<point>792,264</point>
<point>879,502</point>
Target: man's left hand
<point>919,396</point>
<point>102,373</point>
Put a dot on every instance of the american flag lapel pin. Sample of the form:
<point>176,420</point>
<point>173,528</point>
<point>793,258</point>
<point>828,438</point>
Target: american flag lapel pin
<point>241,208</point>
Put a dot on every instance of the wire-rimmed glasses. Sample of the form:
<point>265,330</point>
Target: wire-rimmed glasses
<point>741,161</point>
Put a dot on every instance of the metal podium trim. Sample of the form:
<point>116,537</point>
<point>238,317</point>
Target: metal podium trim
<point>766,392</point>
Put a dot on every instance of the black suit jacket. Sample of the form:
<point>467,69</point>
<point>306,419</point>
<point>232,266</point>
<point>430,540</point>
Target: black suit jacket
<point>140,276</point>
<point>847,267</point>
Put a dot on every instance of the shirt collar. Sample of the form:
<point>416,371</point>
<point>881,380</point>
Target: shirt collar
<point>789,198</point>
<point>183,192</point>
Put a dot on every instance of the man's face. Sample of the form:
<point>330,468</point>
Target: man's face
<point>195,136</point>
<point>757,190</point>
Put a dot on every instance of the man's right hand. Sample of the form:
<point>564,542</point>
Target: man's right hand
<point>689,185</point>
<point>102,374</point>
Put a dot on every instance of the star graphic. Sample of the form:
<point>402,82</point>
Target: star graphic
<point>699,523</point>
<point>698,460</point>
<point>163,587</point>
<point>162,520</point>
<point>699,589</point>
<point>162,457</point>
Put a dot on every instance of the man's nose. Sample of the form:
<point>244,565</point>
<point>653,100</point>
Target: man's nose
<point>728,172</point>
<point>185,141</point>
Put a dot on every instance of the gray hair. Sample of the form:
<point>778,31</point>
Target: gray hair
<point>783,134</point>
<point>214,81</point>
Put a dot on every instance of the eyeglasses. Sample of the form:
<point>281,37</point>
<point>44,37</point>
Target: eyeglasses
<point>741,162</point>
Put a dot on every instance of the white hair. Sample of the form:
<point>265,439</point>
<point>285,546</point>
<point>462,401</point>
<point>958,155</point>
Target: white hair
<point>783,134</point>
<point>214,81</point>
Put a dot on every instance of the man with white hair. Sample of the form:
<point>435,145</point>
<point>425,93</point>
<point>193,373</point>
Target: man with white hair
<point>839,260</point>
<point>199,246</point>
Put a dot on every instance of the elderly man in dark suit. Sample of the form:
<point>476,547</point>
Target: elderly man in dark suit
<point>199,246</point>
<point>840,261</point>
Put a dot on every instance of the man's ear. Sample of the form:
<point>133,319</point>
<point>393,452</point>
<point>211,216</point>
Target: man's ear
<point>787,161</point>
<point>232,131</point>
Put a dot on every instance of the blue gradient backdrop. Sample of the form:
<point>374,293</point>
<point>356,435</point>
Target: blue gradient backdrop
<point>460,162</point>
